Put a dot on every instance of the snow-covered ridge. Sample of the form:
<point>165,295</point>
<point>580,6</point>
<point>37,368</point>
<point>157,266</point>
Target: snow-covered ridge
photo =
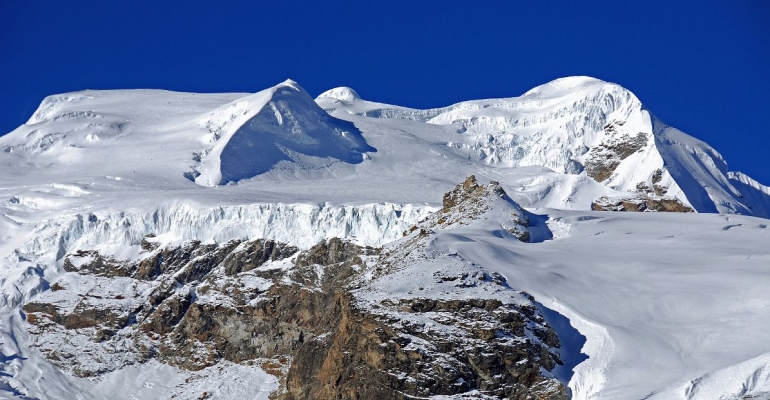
<point>747,180</point>
<point>553,125</point>
<point>747,380</point>
<point>549,126</point>
<point>280,136</point>
<point>566,125</point>
<point>278,125</point>
<point>50,104</point>
<point>102,170</point>
<point>120,233</point>
<point>343,93</point>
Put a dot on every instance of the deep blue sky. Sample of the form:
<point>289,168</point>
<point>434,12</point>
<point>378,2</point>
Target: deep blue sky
<point>703,67</point>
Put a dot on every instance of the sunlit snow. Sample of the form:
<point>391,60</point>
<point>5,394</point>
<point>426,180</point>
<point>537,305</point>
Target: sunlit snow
<point>664,306</point>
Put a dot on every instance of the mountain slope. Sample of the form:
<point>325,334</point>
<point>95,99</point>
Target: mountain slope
<point>578,125</point>
<point>332,322</point>
<point>564,144</point>
<point>255,133</point>
<point>171,239</point>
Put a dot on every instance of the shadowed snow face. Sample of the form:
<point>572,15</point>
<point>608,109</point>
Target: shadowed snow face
<point>290,127</point>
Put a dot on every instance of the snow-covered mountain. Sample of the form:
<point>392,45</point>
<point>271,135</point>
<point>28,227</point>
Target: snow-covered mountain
<point>660,305</point>
<point>578,126</point>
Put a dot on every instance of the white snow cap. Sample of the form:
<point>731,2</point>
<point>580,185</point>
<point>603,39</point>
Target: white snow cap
<point>252,134</point>
<point>564,84</point>
<point>343,93</point>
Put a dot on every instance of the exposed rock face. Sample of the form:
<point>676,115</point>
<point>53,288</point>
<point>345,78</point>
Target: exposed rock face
<point>380,356</point>
<point>641,203</point>
<point>180,304</point>
<point>308,316</point>
<point>255,254</point>
<point>657,189</point>
<point>602,160</point>
<point>469,200</point>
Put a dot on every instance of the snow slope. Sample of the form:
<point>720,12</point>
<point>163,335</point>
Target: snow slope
<point>255,133</point>
<point>662,299</point>
<point>671,306</point>
<point>571,126</point>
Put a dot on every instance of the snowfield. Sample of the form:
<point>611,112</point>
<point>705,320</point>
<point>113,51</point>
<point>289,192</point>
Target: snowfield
<point>649,305</point>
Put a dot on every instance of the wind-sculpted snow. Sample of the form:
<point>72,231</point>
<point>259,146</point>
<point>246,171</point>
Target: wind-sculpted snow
<point>120,233</point>
<point>755,194</point>
<point>51,104</point>
<point>748,181</point>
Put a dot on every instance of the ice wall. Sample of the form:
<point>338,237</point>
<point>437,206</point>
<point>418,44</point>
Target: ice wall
<point>29,267</point>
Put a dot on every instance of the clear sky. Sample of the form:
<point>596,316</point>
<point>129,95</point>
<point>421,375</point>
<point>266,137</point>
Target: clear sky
<point>701,66</point>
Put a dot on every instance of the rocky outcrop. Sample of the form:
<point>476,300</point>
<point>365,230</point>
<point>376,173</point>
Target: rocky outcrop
<point>372,356</point>
<point>469,200</point>
<point>178,304</point>
<point>307,316</point>
<point>656,190</point>
<point>255,254</point>
<point>603,159</point>
<point>641,203</point>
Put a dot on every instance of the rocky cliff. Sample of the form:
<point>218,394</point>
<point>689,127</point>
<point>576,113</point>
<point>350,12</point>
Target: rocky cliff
<point>319,319</point>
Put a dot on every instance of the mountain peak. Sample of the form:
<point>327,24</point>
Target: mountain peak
<point>595,136</point>
<point>289,82</point>
<point>280,126</point>
<point>109,257</point>
<point>565,84</point>
<point>470,204</point>
<point>343,93</point>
